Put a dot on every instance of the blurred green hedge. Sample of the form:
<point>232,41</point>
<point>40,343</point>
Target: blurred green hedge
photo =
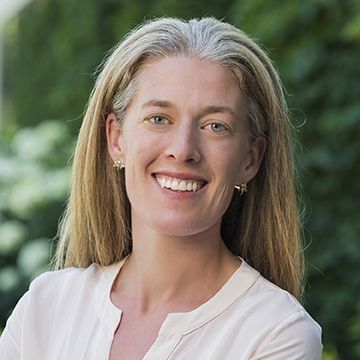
<point>52,49</point>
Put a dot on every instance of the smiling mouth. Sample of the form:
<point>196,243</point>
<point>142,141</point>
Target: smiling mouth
<point>179,185</point>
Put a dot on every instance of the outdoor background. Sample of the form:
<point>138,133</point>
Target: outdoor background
<point>52,49</point>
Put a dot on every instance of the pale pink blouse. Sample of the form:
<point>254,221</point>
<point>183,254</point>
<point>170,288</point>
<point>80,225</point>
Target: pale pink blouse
<point>68,315</point>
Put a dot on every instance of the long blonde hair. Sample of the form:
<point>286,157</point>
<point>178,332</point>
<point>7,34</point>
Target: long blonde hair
<point>262,227</point>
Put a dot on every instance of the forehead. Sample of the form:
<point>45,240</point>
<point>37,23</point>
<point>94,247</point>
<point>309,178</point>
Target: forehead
<point>192,81</point>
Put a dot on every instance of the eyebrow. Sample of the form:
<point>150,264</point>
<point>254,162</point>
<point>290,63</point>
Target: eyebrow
<point>211,109</point>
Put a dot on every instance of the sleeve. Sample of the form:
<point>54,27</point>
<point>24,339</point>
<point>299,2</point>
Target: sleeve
<point>19,328</point>
<point>10,340</point>
<point>296,338</point>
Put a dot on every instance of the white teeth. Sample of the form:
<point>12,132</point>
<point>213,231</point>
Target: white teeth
<point>182,185</point>
<point>177,184</point>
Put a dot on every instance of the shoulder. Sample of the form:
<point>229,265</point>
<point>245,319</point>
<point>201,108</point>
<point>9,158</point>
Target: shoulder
<point>66,279</point>
<point>273,303</point>
<point>289,331</point>
<point>53,287</point>
<point>284,329</point>
<point>64,290</point>
<point>53,298</point>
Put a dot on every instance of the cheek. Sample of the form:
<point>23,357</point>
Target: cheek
<point>228,162</point>
<point>136,144</point>
<point>141,152</point>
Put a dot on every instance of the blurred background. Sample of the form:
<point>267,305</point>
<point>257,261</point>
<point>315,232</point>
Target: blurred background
<point>49,50</point>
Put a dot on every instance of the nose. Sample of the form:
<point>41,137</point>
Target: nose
<point>184,143</point>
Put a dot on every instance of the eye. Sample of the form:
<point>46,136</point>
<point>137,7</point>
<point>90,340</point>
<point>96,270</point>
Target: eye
<point>158,120</point>
<point>217,127</point>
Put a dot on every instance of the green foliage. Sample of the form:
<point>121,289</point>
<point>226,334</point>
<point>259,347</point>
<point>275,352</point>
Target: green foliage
<point>316,46</point>
<point>54,47</point>
<point>34,183</point>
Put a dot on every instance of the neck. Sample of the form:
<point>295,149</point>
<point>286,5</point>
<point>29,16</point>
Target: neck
<point>182,272</point>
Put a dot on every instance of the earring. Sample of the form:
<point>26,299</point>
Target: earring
<point>118,165</point>
<point>242,188</point>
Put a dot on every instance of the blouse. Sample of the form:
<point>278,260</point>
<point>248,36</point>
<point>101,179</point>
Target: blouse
<point>68,314</point>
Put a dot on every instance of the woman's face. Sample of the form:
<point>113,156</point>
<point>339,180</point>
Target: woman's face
<point>185,144</point>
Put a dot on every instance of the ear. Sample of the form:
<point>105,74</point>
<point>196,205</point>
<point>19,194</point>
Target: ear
<point>114,138</point>
<point>254,158</point>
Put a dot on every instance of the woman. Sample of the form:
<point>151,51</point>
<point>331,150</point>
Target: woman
<point>181,236</point>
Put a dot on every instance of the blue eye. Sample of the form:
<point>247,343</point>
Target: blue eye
<point>158,120</point>
<point>217,127</point>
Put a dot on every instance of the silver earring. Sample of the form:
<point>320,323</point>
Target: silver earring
<point>242,188</point>
<point>118,165</point>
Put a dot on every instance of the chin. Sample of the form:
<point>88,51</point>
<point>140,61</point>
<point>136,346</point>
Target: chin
<point>182,228</point>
